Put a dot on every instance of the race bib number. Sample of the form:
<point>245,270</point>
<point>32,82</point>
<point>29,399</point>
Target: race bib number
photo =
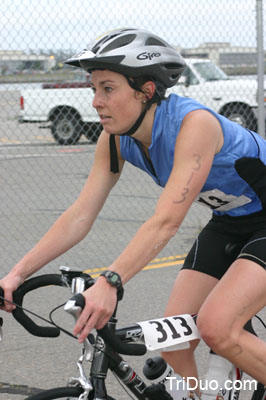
<point>217,200</point>
<point>169,333</point>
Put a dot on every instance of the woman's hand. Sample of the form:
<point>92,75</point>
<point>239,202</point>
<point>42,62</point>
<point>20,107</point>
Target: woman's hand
<point>10,283</point>
<point>101,300</point>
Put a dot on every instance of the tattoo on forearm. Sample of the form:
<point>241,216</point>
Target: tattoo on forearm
<point>190,179</point>
<point>197,158</point>
<point>186,189</point>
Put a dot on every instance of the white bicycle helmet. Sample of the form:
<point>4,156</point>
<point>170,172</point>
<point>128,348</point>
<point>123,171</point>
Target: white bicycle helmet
<point>134,53</point>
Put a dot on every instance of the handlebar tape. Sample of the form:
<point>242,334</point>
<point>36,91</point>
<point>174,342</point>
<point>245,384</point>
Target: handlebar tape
<point>19,314</point>
<point>132,349</point>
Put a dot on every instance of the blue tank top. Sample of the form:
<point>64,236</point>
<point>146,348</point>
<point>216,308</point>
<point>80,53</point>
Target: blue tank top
<point>236,184</point>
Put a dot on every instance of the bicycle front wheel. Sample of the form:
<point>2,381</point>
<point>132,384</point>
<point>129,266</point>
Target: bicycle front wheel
<point>66,393</point>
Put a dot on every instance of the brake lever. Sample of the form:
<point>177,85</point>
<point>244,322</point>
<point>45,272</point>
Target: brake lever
<point>74,310</point>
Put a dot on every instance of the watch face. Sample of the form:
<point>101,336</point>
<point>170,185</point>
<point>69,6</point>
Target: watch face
<point>114,279</point>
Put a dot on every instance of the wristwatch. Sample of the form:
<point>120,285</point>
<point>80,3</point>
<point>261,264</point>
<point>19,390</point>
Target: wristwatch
<point>113,278</point>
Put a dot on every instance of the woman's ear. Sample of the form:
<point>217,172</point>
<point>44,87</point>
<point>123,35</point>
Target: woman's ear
<point>149,89</point>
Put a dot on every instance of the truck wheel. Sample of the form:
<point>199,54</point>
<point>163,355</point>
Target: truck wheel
<point>241,114</point>
<point>92,131</point>
<point>66,128</point>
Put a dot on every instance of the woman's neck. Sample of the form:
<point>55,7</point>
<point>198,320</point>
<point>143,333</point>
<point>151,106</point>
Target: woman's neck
<point>144,133</point>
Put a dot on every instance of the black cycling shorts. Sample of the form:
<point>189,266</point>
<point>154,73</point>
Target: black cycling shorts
<point>224,239</point>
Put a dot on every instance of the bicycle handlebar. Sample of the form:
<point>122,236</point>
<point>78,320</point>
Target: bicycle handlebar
<point>46,331</point>
<point>18,296</point>
<point>130,349</point>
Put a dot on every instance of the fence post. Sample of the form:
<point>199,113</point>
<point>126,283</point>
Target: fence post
<point>260,68</point>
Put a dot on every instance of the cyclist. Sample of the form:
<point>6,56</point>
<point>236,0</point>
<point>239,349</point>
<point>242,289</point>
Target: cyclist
<point>196,155</point>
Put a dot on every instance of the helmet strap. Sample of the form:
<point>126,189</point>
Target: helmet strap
<point>114,164</point>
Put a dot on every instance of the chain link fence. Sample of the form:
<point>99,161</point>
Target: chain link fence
<point>49,128</point>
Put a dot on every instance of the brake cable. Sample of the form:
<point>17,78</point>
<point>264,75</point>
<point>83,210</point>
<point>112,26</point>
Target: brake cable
<point>261,320</point>
<point>49,321</point>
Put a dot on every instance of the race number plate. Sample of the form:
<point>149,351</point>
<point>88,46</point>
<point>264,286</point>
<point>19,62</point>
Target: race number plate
<point>169,333</point>
<point>217,200</point>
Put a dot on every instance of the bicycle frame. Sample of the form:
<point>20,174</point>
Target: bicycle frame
<point>104,358</point>
<point>107,353</point>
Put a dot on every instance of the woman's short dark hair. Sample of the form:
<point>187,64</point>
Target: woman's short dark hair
<point>137,83</point>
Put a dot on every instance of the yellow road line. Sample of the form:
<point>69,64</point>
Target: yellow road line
<point>155,263</point>
<point>6,140</point>
<point>162,265</point>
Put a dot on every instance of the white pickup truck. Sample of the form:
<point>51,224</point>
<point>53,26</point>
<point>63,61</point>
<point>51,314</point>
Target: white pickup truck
<point>71,114</point>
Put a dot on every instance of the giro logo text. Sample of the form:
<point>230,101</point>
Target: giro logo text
<point>147,56</point>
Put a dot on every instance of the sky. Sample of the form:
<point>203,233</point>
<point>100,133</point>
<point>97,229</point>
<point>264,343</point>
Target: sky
<point>73,24</point>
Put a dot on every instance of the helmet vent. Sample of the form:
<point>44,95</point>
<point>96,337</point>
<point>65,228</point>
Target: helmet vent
<point>173,66</point>
<point>106,38</point>
<point>97,45</point>
<point>154,42</point>
<point>119,42</point>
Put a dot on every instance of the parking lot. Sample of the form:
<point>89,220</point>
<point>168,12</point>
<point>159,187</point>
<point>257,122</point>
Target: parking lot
<point>13,133</point>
